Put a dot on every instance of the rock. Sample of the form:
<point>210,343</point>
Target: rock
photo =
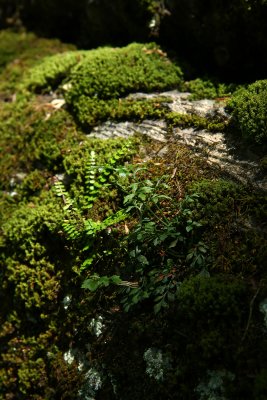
<point>215,147</point>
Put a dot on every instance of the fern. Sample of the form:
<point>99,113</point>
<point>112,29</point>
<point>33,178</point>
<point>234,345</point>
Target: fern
<point>97,176</point>
<point>92,229</point>
<point>91,190</point>
<point>72,213</point>
<point>61,192</point>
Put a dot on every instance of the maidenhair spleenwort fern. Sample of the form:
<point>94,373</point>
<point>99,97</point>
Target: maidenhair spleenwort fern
<point>97,176</point>
<point>91,184</point>
<point>86,230</point>
<point>71,211</point>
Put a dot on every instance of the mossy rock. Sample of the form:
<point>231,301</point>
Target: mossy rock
<point>248,109</point>
<point>18,52</point>
<point>96,79</point>
<point>207,89</point>
<point>109,73</point>
<point>232,223</point>
<point>52,70</point>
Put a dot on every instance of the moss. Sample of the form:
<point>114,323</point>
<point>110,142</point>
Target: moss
<point>237,241</point>
<point>216,198</point>
<point>34,136</point>
<point>27,224</point>
<point>248,109</point>
<point>217,306</point>
<point>110,73</point>
<point>192,120</point>
<point>36,285</point>
<point>20,51</point>
<point>209,89</point>
<point>263,164</point>
<point>90,112</point>
<point>51,71</point>
<point>25,374</point>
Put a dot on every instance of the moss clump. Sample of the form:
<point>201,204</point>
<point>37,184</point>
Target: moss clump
<point>34,136</point>
<point>248,109</point>
<point>90,111</point>
<point>206,89</point>
<point>213,124</point>
<point>109,73</point>
<point>216,198</point>
<point>20,51</point>
<point>52,70</point>
<point>216,306</point>
<point>237,241</point>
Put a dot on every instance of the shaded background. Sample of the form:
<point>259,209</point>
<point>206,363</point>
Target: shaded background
<point>223,38</point>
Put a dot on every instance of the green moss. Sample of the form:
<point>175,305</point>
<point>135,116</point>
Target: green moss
<point>192,120</point>
<point>91,111</point>
<point>36,285</point>
<point>214,297</point>
<point>263,164</point>
<point>18,52</point>
<point>232,220</point>
<point>27,224</point>
<point>216,198</point>
<point>109,73</point>
<point>51,71</point>
<point>75,161</point>
<point>26,360</point>
<point>212,312</point>
<point>207,89</point>
<point>41,265</point>
<point>34,136</point>
<point>248,109</point>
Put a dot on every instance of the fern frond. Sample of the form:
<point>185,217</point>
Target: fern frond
<point>91,184</point>
<point>61,192</point>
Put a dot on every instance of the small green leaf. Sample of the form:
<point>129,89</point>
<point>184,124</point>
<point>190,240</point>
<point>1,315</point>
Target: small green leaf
<point>91,284</point>
<point>189,228</point>
<point>115,279</point>
<point>143,259</point>
<point>157,308</point>
<point>173,243</point>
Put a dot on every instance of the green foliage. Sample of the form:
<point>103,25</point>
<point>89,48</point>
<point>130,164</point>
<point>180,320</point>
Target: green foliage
<point>248,109</point>
<point>77,225</point>
<point>160,246</point>
<point>213,387</point>
<point>95,282</point>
